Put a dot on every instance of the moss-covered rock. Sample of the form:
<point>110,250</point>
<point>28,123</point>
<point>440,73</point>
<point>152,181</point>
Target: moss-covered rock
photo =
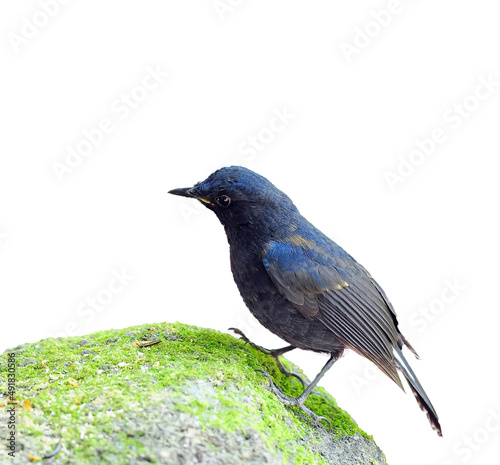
<point>118,397</point>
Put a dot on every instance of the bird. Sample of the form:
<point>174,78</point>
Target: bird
<point>301,285</point>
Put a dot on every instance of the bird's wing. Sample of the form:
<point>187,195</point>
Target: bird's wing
<point>331,287</point>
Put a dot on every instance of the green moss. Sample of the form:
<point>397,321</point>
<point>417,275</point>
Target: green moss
<point>81,388</point>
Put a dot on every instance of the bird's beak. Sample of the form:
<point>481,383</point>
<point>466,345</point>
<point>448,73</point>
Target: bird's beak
<point>184,192</point>
<point>189,192</point>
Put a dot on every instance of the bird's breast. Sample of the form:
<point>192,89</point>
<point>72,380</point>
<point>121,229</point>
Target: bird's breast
<point>249,274</point>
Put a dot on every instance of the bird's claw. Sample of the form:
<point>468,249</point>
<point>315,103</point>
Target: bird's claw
<point>248,341</point>
<point>287,373</point>
<point>294,401</point>
<point>275,353</point>
<point>242,336</point>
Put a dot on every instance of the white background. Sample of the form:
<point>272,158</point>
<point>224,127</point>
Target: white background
<point>356,116</point>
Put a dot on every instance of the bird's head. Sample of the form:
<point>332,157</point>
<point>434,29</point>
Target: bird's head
<point>238,197</point>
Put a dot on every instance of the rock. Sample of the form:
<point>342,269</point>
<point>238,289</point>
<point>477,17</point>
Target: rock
<point>122,397</point>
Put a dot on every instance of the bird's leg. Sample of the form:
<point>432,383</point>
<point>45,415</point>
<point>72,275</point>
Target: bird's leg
<point>299,401</point>
<point>275,353</point>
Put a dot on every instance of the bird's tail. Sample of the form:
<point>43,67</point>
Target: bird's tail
<point>418,390</point>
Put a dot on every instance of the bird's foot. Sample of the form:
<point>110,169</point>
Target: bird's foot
<point>295,401</point>
<point>275,353</point>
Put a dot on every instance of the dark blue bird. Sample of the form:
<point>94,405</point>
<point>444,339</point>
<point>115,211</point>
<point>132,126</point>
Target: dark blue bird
<point>300,284</point>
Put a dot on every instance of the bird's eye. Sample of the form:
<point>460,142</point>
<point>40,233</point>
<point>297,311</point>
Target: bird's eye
<point>223,200</point>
